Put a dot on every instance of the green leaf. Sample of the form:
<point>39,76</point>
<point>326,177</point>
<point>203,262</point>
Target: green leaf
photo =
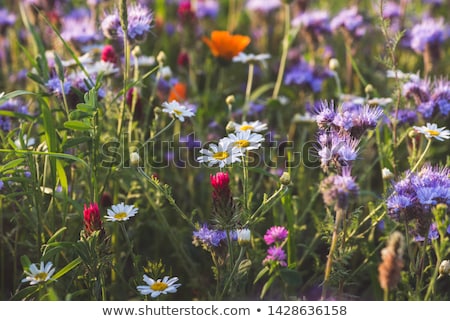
<point>69,267</point>
<point>56,234</point>
<point>291,277</point>
<point>14,94</point>
<point>62,175</point>
<point>25,260</point>
<point>77,125</point>
<point>261,273</point>
<point>12,164</point>
<point>266,286</point>
<point>57,155</point>
<point>71,142</point>
<point>25,293</point>
<point>244,267</point>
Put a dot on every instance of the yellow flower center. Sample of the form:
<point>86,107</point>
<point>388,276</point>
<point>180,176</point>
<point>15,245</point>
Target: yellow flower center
<point>120,216</point>
<point>176,111</point>
<point>41,276</point>
<point>220,155</point>
<point>159,286</point>
<point>433,132</point>
<point>242,143</point>
<point>247,127</point>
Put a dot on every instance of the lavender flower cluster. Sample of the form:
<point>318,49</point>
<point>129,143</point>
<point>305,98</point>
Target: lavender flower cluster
<point>413,198</point>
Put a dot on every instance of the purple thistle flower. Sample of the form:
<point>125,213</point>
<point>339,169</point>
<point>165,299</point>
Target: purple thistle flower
<point>111,26</point>
<point>337,150</point>
<point>207,9</point>
<point>326,112</point>
<point>430,32</point>
<point>433,234</point>
<point>304,74</point>
<point>316,23</point>
<point>276,234</point>
<point>7,19</point>
<point>262,6</point>
<point>139,22</point>
<point>338,190</point>
<point>275,255</point>
<point>406,116</point>
<point>351,21</point>
<point>78,28</point>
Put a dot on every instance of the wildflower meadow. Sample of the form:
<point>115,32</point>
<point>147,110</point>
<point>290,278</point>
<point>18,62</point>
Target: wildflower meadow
<point>206,150</point>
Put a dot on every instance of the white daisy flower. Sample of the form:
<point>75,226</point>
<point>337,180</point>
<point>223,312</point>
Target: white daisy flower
<point>250,58</point>
<point>245,140</point>
<point>37,275</point>
<point>432,131</point>
<point>179,111</point>
<point>244,236</point>
<point>254,126</point>
<point>121,212</point>
<point>158,287</point>
<point>221,154</point>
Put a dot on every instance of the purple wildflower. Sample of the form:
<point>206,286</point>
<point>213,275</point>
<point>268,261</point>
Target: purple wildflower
<point>433,234</point>
<point>315,23</point>
<point>14,105</point>
<point>56,87</point>
<point>7,19</point>
<point>276,234</point>
<point>336,150</point>
<point>304,74</point>
<point>413,197</point>
<point>430,32</point>
<point>351,21</point>
<point>209,237</point>
<point>139,24</point>
<point>275,255</point>
<point>406,116</point>
<point>207,9</point>
<point>78,27</point>
<point>338,190</point>
<point>440,96</point>
<point>262,6</point>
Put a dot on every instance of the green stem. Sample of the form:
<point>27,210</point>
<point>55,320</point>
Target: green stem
<point>266,205</point>
<point>248,90</point>
<point>339,217</point>
<point>168,196</point>
<point>422,156</point>
<point>284,53</point>
<point>233,272</point>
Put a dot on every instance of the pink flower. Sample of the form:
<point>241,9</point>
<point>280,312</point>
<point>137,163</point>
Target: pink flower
<point>276,234</point>
<point>275,254</point>
<point>92,219</point>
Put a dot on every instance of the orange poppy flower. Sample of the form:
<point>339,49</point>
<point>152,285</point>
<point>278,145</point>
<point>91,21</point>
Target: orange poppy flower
<point>178,92</point>
<point>224,45</point>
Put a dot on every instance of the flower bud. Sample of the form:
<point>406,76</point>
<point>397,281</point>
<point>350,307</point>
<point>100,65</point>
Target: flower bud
<point>387,174</point>
<point>333,64</point>
<point>161,58</point>
<point>136,51</point>
<point>369,88</point>
<point>285,178</point>
<point>444,268</point>
<point>134,159</point>
<point>230,100</point>
<point>230,128</point>
<point>243,236</point>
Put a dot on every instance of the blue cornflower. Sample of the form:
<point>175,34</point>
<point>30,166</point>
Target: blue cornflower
<point>14,105</point>
<point>209,237</point>
<point>54,86</point>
